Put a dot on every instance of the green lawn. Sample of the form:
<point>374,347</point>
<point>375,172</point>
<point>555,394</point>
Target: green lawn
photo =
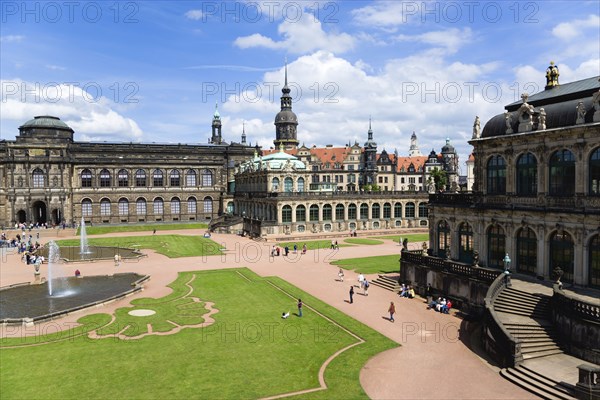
<point>363,241</point>
<point>249,352</point>
<point>312,245</point>
<point>100,230</point>
<point>172,246</point>
<point>371,265</point>
<point>412,237</point>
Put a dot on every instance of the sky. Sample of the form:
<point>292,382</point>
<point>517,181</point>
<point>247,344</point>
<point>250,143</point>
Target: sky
<point>151,71</point>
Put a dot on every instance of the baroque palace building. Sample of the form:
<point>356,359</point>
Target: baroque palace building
<point>47,177</point>
<point>536,193</point>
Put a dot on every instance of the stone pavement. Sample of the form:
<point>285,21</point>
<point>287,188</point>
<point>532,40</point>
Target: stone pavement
<point>432,363</point>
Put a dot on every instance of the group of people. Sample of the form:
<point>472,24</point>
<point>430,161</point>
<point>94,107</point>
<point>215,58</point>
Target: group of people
<point>407,291</point>
<point>334,244</point>
<point>276,250</point>
<point>441,305</point>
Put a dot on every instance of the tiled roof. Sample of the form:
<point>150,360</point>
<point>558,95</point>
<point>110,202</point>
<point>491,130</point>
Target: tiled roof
<point>418,161</point>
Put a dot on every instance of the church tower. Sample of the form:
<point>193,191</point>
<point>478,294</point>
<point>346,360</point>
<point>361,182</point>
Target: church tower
<point>370,159</point>
<point>414,147</point>
<point>286,122</point>
<point>216,127</point>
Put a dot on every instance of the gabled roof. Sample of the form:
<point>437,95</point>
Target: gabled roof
<point>418,162</point>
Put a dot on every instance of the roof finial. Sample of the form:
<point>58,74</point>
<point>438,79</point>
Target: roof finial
<point>216,114</point>
<point>281,147</point>
<point>285,71</point>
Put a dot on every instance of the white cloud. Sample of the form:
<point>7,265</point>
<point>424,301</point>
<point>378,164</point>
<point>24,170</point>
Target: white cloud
<point>450,39</point>
<point>301,36</point>
<point>55,67</point>
<point>12,38</point>
<point>386,15</point>
<point>572,29</point>
<point>194,15</point>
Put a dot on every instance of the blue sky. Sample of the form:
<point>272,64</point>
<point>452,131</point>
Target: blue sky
<point>153,71</point>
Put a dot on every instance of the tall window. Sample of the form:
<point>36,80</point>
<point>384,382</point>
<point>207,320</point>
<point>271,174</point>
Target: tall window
<point>397,210</point>
<point>465,237</point>
<point>594,262</point>
<point>208,205</point>
<point>86,178</point>
<point>595,173</point>
<point>86,207</point>
<point>423,210</point>
<point>286,214</point>
<point>526,251</point>
<point>123,207</point>
<point>175,206</point>
<point>158,178</point>
<point>364,211</point>
<point>159,207</point>
<point>496,247</point>
<point>275,184</point>
<point>339,212</point>
<point>313,212</point>
<point>191,205</point>
<point>527,175</point>
<point>105,207</point>
<point>376,211</point>
<point>562,254</point>
<point>207,178</point>
<point>288,185</point>
<point>175,178</point>
<point>105,178</point>
<point>140,178</point>
<point>327,211</point>
<point>351,211</point>
<point>562,173</point>
<point>190,178</point>
<point>39,179</point>
<point>300,185</point>
<point>123,178</point>
<point>443,238</point>
<point>387,210</point>
<point>300,213</point>
<point>409,210</point>
<point>140,206</point>
<point>496,175</point>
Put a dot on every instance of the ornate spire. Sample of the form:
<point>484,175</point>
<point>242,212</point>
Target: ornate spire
<point>552,76</point>
<point>216,127</point>
<point>243,132</point>
<point>216,115</point>
<point>370,132</point>
<point>286,121</point>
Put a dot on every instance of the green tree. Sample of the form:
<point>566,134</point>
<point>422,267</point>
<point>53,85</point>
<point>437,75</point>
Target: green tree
<point>440,178</point>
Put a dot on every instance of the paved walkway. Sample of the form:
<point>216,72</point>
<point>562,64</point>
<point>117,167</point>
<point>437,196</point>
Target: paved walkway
<point>432,363</point>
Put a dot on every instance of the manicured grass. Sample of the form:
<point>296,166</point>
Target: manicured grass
<point>371,265</point>
<point>100,230</point>
<point>312,245</point>
<point>249,352</point>
<point>412,237</point>
<point>172,246</point>
<point>363,241</point>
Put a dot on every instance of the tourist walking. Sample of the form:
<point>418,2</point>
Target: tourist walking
<point>428,293</point>
<point>351,294</point>
<point>366,285</point>
<point>299,307</point>
<point>341,275</point>
<point>392,311</point>
<point>295,248</point>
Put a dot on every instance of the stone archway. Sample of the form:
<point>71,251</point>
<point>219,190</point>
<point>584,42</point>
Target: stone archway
<point>56,216</point>
<point>40,212</point>
<point>21,216</point>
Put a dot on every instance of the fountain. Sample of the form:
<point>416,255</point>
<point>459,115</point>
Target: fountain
<point>84,247</point>
<point>57,284</point>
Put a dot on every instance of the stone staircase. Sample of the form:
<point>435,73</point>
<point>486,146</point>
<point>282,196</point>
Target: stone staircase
<point>538,384</point>
<point>387,282</point>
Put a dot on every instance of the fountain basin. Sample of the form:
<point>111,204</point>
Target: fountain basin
<point>73,253</point>
<point>31,303</point>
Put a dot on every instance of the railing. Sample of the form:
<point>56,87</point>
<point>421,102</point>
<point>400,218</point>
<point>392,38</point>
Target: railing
<point>588,384</point>
<point>458,199</point>
<point>436,263</point>
<point>574,307</point>
<point>335,194</point>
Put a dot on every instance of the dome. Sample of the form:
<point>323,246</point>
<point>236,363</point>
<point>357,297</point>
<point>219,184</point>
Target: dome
<point>46,121</point>
<point>286,116</point>
<point>280,159</point>
<point>448,148</point>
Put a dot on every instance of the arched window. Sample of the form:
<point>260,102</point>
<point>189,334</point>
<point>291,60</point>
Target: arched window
<point>300,185</point>
<point>364,211</point>
<point>496,247</point>
<point>286,214</point>
<point>175,178</point>
<point>313,212</point>
<point>123,207</point>
<point>208,205</point>
<point>86,207</point>
<point>387,210</point>
<point>526,251</point>
<point>275,184</point>
<point>123,178</point>
<point>423,210</point>
<point>288,185</point>
<point>595,173</point>
<point>375,211</point>
<point>496,175</point>
<point>327,211</point>
<point>159,208</point>
<point>140,206</point>
<point>443,238</point>
<point>86,178</point>
<point>39,178</point>
<point>190,178</point>
<point>105,178</point>
<point>465,238</point>
<point>175,206</point>
<point>409,210</point>
<point>562,254</point>
<point>594,262</point>
<point>300,213</point>
<point>140,178</point>
<point>352,211</point>
<point>158,178</point>
<point>339,212</point>
<point>527,175</point>
<point>562,173</point>
<point>192,205</point>
<point>105,207</point>
<point>397,210</point>
<point>207,178</point>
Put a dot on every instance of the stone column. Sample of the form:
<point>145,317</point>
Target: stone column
<point>542,253</point>
<point>578,250</point>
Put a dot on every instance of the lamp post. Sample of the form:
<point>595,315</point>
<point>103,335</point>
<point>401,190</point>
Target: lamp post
<point>507,270</point>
